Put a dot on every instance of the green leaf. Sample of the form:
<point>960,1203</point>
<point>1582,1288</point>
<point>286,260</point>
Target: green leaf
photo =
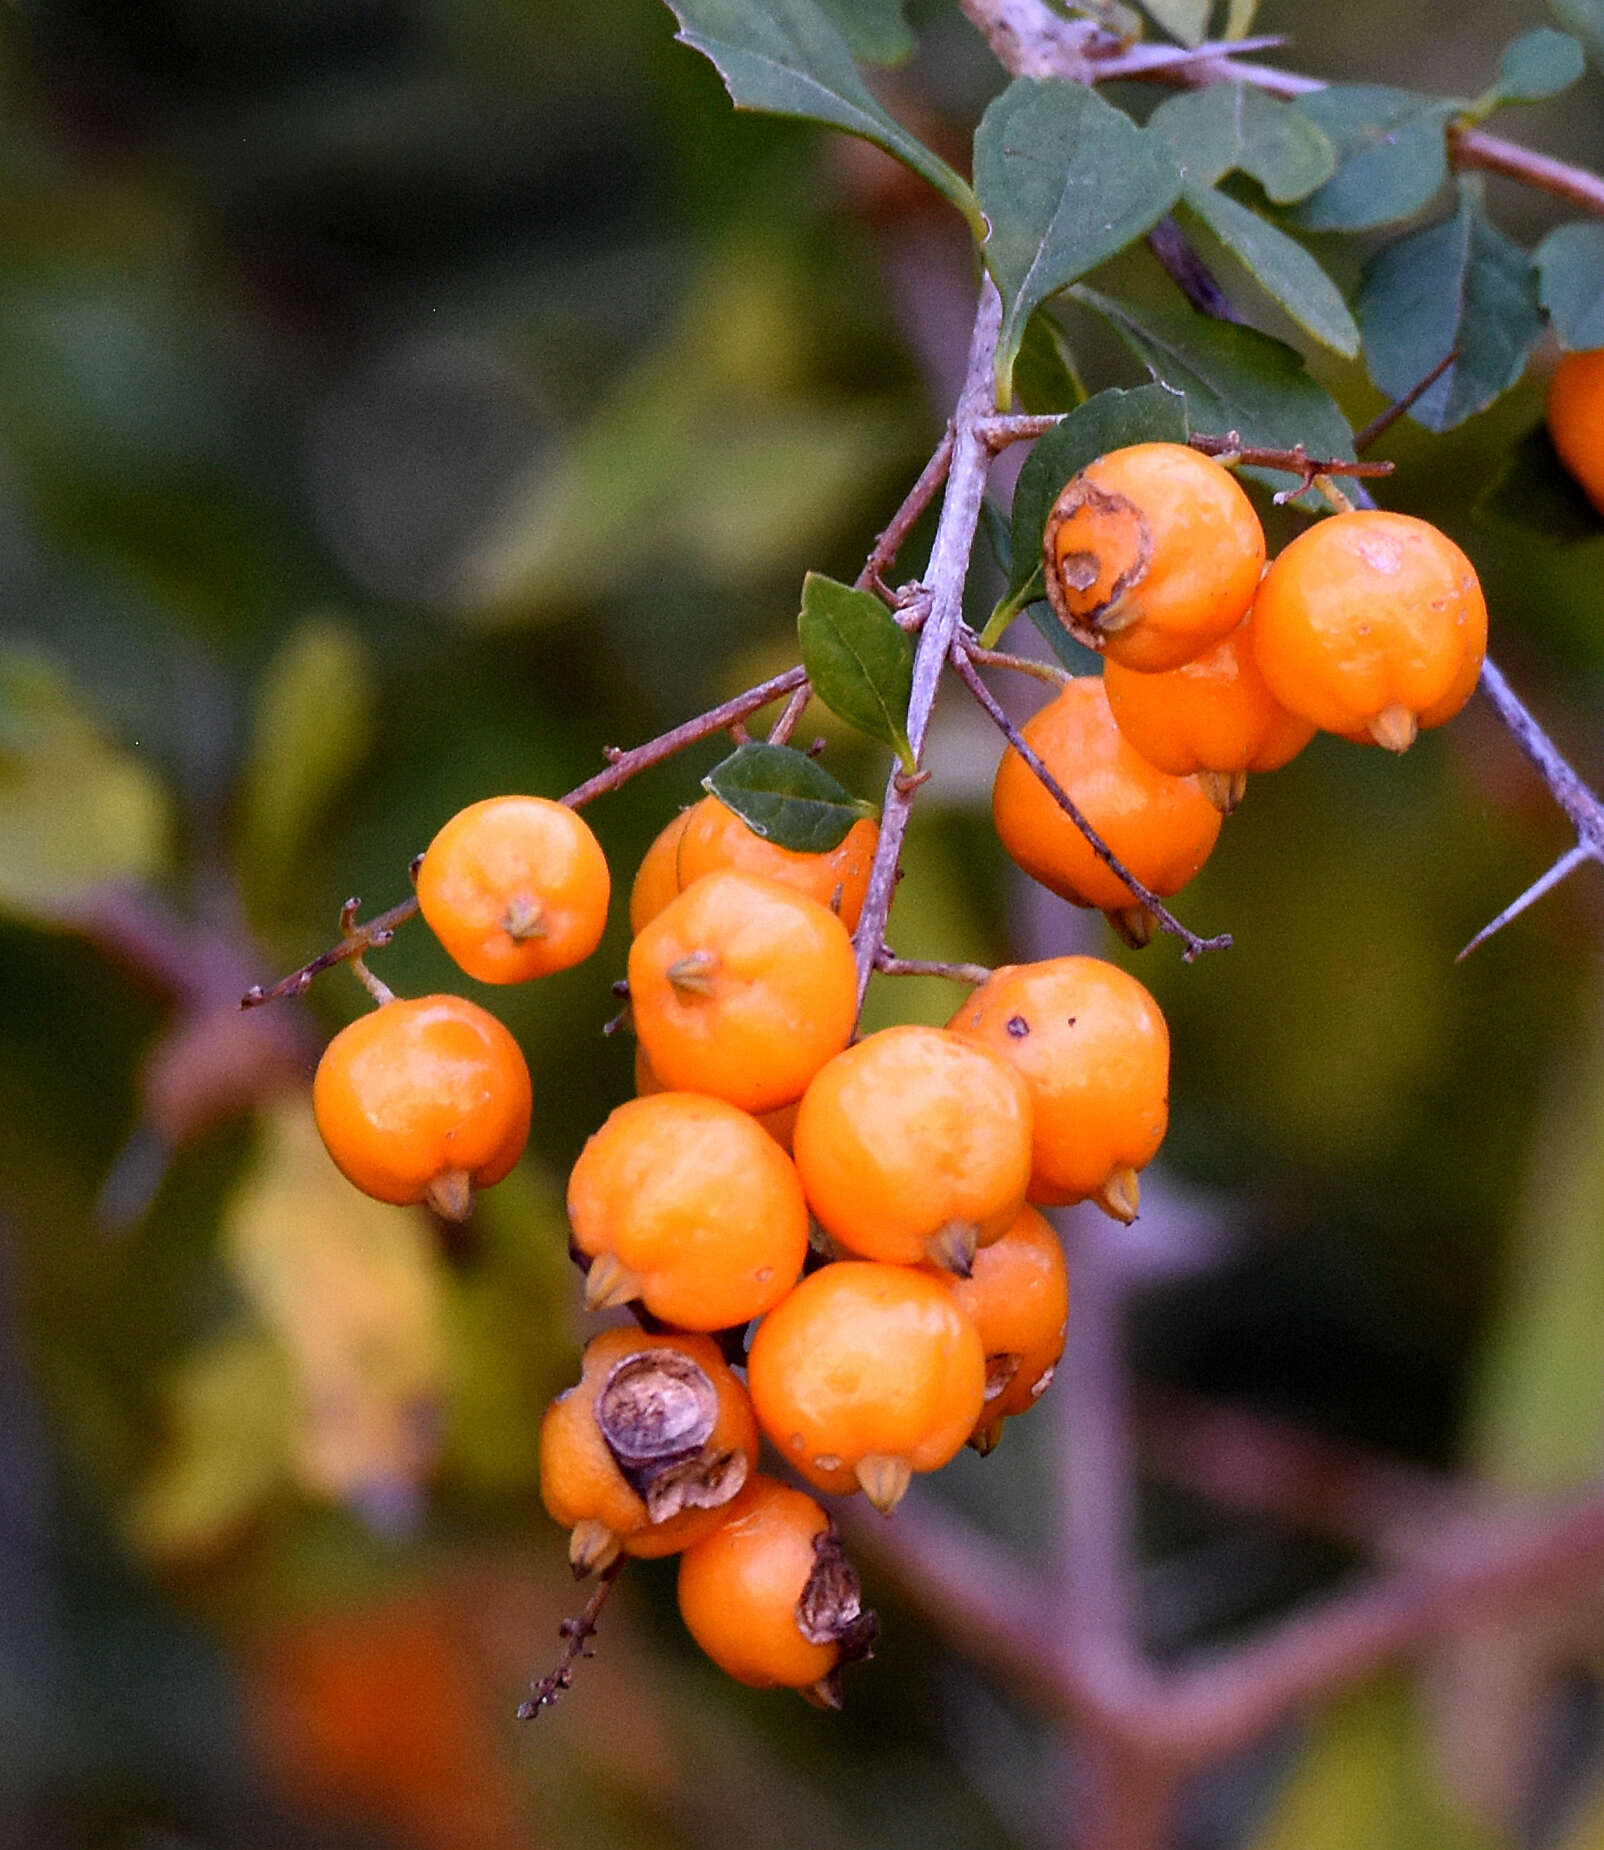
<point>994,524</point>
<point>1233,128</point>
<point>1392,155</point>
<point>1065,180</point>
<point>1239,17</point>
<point>1570,283</point>
<point>76,812</point>
<point>1539,64</point>
<point>1186,20</point>
<point>785,57</point>
<point>782,795</point>
<point>1073,655</point>
<point>1233,378</point>
<point>1045,376</point>
<point>314,721</point>
<point>1458,285</point>
<point>1533,492</point>
<point>1586,19</point>
<point>859,660</point>
<point>1110,421</point>
<point>875,31</point>
<point>1280,266</point>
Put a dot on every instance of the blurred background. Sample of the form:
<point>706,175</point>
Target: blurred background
<point>400,400</point>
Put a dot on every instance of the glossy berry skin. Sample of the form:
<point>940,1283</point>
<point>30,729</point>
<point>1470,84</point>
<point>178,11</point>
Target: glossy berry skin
<point>1092,1047</point>
<point>1018,1299</point>
<point>657,877</point>
<point>689,1205</point>
<point>866,1373</point>
<point>583,1484</point>
<point>1161,827</point>
<point>742,988</point>
<point>1371,624</point>
<point>1152,554</point>
<point>422,1099</point>
<point>515,887</point>
<point>1576,419</point>
<point>1214,717</point>
<point>779,1123</point>
<point>915,1145</point>
<point>744,1591</point>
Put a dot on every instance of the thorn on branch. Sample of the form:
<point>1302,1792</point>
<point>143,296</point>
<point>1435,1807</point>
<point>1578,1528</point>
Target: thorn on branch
<point>1566,865</point>
<point>575,1633</point>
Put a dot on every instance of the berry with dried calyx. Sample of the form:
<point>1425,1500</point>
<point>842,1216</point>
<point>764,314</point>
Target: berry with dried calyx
<point>1017,1297</point>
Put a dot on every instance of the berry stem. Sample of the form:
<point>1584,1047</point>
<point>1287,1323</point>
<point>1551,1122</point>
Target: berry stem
<point>575,1633</point>
<point>888,965</point>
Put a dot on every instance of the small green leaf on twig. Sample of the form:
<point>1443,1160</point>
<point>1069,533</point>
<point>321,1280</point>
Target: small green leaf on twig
<point>858,659</point>
<point>1539,64</point>
<point>782,795</point>
<point>1392,153</point>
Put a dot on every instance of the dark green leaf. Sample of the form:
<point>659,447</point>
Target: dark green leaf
<point>1586,19</point>
<point>1233,128</point>
<point>1570,283</point>
<point>1392,155</point>
<point>1459,284</point>
<point>1535,493</point>
<point>1186,20</point>
<point>1065,180</point>
<point>1234,379</point>
<point>1148,414</point>
<point>875,31</point>
<point>1045,379</point>
<point>1280,266</point>
<point>1539,64</point>
<point>994,524</point>
<point>787,58</point>
<point>785,797</point>
<point>1074,656</point>
<point>858,659</point>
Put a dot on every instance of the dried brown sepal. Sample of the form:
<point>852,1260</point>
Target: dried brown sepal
<point>1000,1371</point>
<point>1224,789</point>
<point>883,1479</point>
<point>450,1194</point>
<point>523,920</point>
<point>1120,1196</point>
<point>1395,727</point>
<point>656,1412</point>
<point>985,1436</point>
<point>830,1610</point>
<point>592,1547</point>
<point>1133,925</point>
<point>609,1283</point>
<point>699,1484</point>
<point>693,974</point>
<point>952,1247</point>
<point>1121,525</point>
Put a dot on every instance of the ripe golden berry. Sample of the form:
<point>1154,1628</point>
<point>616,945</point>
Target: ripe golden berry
<point>1017,1297</point>
<point>1576,419</point>
<point>657,877</point>
<point>515,887</point>
<point>423,1100</point>
<point>1152,554</point>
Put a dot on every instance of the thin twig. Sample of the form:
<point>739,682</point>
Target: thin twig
<point>1050,672</point>
<point>355,942</point>
<point>1166,920</point>
<point>883,554</point>
<point>1568,790</point>
<point>888,965</point>
<point>574,1633</point>
<point>791,718</point>
<point>1562,869</point>
<point>1383,421</point>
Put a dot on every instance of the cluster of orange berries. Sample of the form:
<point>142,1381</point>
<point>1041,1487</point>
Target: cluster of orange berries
<point>830,1244</point>
<point>1368,624</point>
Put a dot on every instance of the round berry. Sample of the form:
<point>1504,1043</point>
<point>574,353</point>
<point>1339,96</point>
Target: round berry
<point>1152,554</point>
<point>1017,1297</point>
<point>515,887</point>
<point>865,1374</point>
<point>423,1100</point>
<point>715,837</point>
<point>1576,419</point>
<point>1372,625</point>
<point>742,988</point>
<point>779,1123</point>
<point>1213,718</point>
<point>1161,827</point>
<point>689,1205</point>
<point>657,877</point>
<point>644,1452</point>
<point>915,1145</point>
<point>1092,1047</point>
<point>771,1597</point>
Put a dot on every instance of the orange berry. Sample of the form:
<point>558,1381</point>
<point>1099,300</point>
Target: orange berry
<point>515,887</point>
<point>779,1123</point>
<point>1576,419</point>
<point>644,1452</point>
<point>914,1145</point>
<point>715,837</point>
<point>1092,1046</point>
<point>1152,554</point>
<point>865,1374</point>
<point>1372,625</point>
<point>423,1100</point>
<point>1213,717</point>
<point>1017,1297</point>
<point>1161,827</point>
<point>657,877</point>
<point>688,1204</point>
<point>771,1597</point>
<point>742,988</point>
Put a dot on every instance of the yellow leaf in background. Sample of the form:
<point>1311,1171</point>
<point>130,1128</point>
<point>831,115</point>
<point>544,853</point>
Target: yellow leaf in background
<point>76,811</point>
<point>352,1289</point>
<point>228,1448</point>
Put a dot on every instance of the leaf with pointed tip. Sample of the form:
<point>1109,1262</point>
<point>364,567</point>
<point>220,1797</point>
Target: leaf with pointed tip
<point>1539,64</point>
<point>1065,180</point>
<point>1570,284</point>
<point>875,31</point>
<point>1233,128</point>
<point>1186,20</point>
<point>1110,421</point>
<point>782,795</point>
<point>786,57</point>
<point>1585,18</point>
<point>1045,379</point>
<point>1392,155</point>
<point>1234,379</point>
<point>859,660</point>
<point>1280,266</point>
<point>1458,285</point>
